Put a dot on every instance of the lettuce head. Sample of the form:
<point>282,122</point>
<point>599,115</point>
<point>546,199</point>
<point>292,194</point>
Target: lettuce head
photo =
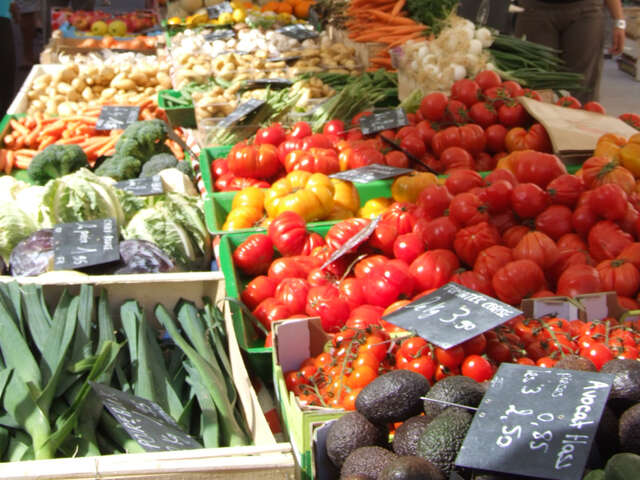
<point>15,225</point>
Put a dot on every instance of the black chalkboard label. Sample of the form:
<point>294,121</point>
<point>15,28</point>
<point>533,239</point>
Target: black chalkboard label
<point>537,422</point>
<point>386,120</point>
<point>82,244</point>
<point>114,117</point>
<point>142,187</point>
<point>298,31</point>
<point>274,83</point>
<point>353,242</point>
<point>145,421</point>
<point>284,59</point>
<point>214,11</point>
<point>241,112</point>
<point>220,34</point>
<point>370,173</point>
<point>452,315</point>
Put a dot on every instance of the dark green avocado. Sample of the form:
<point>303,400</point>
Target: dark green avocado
<point>352,431</point>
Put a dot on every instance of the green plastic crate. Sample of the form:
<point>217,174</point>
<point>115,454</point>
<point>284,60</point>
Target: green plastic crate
<point>208,155</point>
<point>249,339</point>
<point>178,116</point>
<point>218,205</point>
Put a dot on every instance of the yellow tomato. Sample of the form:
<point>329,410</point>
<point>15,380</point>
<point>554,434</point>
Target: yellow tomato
<point>630,158</point>
<point>239,14</point>
<point>249,197</point>
<point>174,21</point>
<point>346,195</point>
<point>308,194</point>
<point>407,187</point>
<point>225,18</point>
<point>242,217</point>
<point>374,207</point>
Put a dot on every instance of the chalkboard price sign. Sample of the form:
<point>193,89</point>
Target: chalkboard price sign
<point>241,112</point>
<point>142,187</point>
<point>386,120</point>
<point>82,244</point>
<point>145,421</point>
<point>214,11</point>
<point>114,117</point>
<point>452,315</point>
<point>298,31</point>
<point>220,34</point>
<point>370,173</point>
<point>353,242</point>
<point>537,422</point>
<point>274,83</point>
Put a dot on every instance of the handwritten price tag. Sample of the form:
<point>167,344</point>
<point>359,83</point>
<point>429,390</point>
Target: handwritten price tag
<point>82,244</point>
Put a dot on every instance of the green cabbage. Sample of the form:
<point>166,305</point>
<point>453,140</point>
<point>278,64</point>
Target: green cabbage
<point>80,196</point>
<point>30,201</point>
<point>15,225</point>
<point>175,223</point>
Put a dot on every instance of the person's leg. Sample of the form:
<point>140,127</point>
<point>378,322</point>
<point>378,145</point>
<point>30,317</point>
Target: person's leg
<point>582,44</point>
<point>8,62</point>
<point>28,29</point>
<point>537,23</point>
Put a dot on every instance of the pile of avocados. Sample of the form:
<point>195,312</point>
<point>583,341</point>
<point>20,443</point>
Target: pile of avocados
<point>426,444</point>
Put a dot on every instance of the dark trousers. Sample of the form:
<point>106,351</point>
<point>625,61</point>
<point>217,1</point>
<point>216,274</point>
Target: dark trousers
<point>576,28</point>
<point>8,62</point>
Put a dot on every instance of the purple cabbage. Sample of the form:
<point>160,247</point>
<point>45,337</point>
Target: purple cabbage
<point>33,255</point>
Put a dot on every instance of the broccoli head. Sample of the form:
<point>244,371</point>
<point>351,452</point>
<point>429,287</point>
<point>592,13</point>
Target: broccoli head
<point>185,167</point>
<point>119,167</point>
<point>157,163</point>
<point>56,161</point>
<point>142,140</point>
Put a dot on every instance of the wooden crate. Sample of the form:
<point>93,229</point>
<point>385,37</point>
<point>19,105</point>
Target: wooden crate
<point>266,457</point>
<point>21,102</point>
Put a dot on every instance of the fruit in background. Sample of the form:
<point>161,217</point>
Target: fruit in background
<point>80,20</point>
<point>99,28</point>
<point>117,28</point>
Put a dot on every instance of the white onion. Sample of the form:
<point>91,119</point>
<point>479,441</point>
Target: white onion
<point>484,35</point>
<point>459,72</point>
<point>475,47</point>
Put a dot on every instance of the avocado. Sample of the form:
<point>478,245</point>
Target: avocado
<point>622,466</point>
<point>393,397</point>
<point>443,437</point>
<point>575,362</point>
<point>352,431</point>
<point>625,390</point>
<point>607,439</point>
<point>407,435</point>
<point>629,430</point>
<point>366,461</point>
<point>594,475</point>
<point>410,468</point>
<point>456,389</point>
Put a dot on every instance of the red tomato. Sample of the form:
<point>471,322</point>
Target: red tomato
<point>288,232</point>
<point>433,201</point>
<point>383,237</point>
<point>402,216</point>
<point>363,267</point>
<point>273,134</point>
<point>484,114</point>
<point>477,367</point>
<point>257,290</point>
<point>326,303</point>
<point>334,127</point>
<point>512,235</point>
<point>565,189</point>
<point>339,233</point>
<point>583,219</point>
<point>571,241</point>
<point>316,140</point>
<point>501,174</point>
<point>492,259</point>
<point>219,167</point>
<point>632,119</point>
<point>532,94</point>
<point>456,157</point>
<point>433,106</point>
<point>300,130</point>
<point>269,311</point>
<point>413,347</point>
<point>364,316</point>
<point>475,345</point>
<point>318,277</point>
<point>598,353</point>
<point>536,167</point>
<point>463,180</point>
<point>594,107</point>
<point>606,240</point>
<point>352,290</point>
<point>261,162</point>
<point>555,221</point>
<point>496,95</point>
<point>471,240</point>
<point>513,88</point>
<point>314,160</point>
<point>631,253</point>
<point>485,162</point>
<point>620,276</point>
<point>498,196</point>
<point>450,357</point>
<point>528,200</point>
<point>467,209</point>
<point>504,220</point>
<point>361,376</point>
<point>538,247</point>
<point>408,246</point>
<point>495,135</point>
<point>439,233</point>
<point>423,365</point>
<point>609,201</point>
<point>398,159</point>
<point>312,241</point>
<point>254,255</point>
<point>466,91</point>
<point>518,280</point>
<point>414,145</point>
<point>578,279</point>
<point>536,138</point>
<point>292,292</point>
<point>456,112</point>
<point>386,283</point>
<point>569,102</point>
<point>426,132</point>
<point>487,79</point>
<point>474,281</point>
<point>292,267</point>
<point>513,115</point>
<point>434,268</point>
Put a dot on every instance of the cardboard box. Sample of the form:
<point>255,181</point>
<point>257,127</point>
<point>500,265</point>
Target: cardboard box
<point>267,458</point>
<point>294,341</point>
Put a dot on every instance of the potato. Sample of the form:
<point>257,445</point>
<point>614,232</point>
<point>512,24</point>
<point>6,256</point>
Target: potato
<point>139,78</point>
<point>87,93</point>
<point>108,92</point>
<point>122,84</point>
<point>64,88</point>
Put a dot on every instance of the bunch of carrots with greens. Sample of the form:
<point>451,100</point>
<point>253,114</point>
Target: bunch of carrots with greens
<point>382,21</point>
<point>31,134</point>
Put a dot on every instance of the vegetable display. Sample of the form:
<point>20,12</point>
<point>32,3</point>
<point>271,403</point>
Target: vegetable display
<point>51,356</point>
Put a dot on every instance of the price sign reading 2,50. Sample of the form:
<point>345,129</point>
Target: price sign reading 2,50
<point>434,306</point>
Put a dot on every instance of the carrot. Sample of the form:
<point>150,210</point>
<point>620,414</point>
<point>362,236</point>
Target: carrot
<point>397,7</point>
<point>8,163</point>
<point>92,145</point>
<point>54,129</point>
<point>8,140</point>
<point>70,140</point>
<point>18,127</point>
<point>22,161</point>
<point>46,141</point>
<point>107,146</point>
<point>3,158</point>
